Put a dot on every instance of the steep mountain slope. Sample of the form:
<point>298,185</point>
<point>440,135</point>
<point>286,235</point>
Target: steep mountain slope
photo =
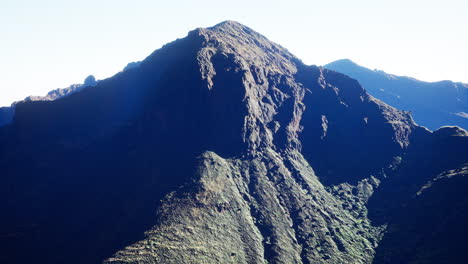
<point>7,113</point>
<point>433,104</point>
<point>221,147</point>
<point>425,202</point>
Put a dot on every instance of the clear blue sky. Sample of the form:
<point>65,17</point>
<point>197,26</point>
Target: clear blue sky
<point>51,44</point>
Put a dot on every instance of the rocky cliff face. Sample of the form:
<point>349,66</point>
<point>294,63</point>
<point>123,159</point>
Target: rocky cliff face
<point>221,147</point>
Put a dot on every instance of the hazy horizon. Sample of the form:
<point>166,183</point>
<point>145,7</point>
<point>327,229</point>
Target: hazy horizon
<point>53,44</point>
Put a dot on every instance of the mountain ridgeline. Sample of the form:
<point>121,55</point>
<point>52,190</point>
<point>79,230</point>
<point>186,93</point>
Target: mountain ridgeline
<point>223,147</point>
<point>7,113</point>
<point>433,104</point>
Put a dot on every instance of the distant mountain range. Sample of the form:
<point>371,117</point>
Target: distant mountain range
<point>432,104</point>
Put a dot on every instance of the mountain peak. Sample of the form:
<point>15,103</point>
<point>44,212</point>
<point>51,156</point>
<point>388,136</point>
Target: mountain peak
<point>248,48</point>
<point>234,29</point>
<point>228,24</point>
<point>342,63</point>
<point>345,61</point>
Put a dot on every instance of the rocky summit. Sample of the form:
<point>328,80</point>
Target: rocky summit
<point>223,147</point>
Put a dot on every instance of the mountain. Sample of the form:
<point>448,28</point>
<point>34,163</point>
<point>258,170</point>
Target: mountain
<point>59,93</point>
<point>7,113</point>
<point>433,104</point>
<point>223,147</point>
<point>132,65</point>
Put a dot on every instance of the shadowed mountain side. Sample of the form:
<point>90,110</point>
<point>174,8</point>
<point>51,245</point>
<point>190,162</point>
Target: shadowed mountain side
<point>344,128</point>
<point>424,201</point>
<point>430,228</point>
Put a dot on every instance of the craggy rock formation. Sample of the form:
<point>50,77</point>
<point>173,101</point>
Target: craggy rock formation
<point>221,147</point>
